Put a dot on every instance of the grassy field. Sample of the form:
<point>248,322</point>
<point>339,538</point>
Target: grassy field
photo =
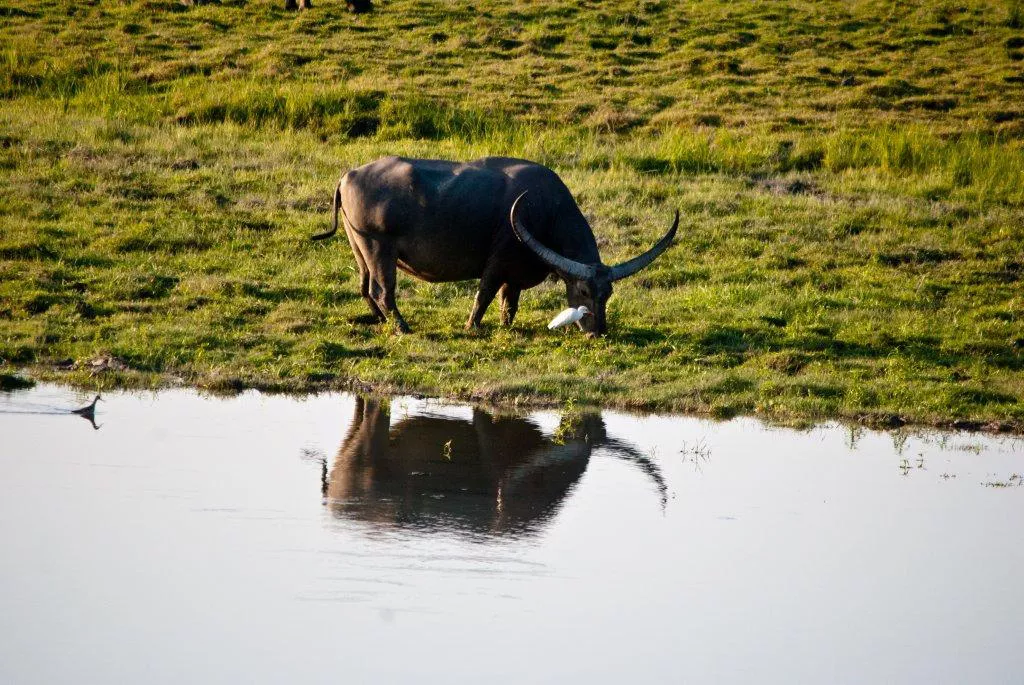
<point>851,177</point>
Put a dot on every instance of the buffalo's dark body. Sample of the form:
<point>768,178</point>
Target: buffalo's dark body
<point>450,221</point>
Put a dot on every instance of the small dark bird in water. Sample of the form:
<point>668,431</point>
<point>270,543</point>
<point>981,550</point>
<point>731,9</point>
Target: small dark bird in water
<point>89,411</point>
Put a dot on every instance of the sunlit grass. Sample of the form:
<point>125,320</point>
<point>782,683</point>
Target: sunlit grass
<point>850,178</point>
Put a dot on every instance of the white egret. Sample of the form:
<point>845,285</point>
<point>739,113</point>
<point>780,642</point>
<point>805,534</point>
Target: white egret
<point>570,315</point>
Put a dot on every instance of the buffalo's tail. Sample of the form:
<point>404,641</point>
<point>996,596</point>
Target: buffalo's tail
<point>335,207</point>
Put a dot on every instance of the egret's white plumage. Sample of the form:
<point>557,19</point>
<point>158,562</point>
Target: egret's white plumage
<point>568,316</point>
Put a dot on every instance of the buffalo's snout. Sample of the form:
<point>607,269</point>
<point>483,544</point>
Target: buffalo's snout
<point>593,324</point>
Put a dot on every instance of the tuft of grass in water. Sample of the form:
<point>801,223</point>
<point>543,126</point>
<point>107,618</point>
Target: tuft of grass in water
<point>11,381</point>
<point>849,175</point>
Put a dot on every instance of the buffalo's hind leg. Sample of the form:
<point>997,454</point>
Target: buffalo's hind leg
<point>383,263</point>
<point>508,298</point>
<point>364,278</point>
<point>364,290</point>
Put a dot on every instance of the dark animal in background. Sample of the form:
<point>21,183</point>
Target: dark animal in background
<point>508,222</point>
<point>354,6</point>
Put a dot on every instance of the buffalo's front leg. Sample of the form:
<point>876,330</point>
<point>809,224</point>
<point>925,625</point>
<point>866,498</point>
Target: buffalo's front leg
<point>484,295</point>
<point>508,298</point>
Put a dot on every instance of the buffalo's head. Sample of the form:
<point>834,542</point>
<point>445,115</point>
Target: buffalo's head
<point>590,284</point>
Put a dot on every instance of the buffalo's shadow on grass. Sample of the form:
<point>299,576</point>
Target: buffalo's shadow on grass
<point>334,352</point>
<point>283,293</point>
<point>643,337</point>
<point>363,319</point>
<point>487,330</point>
<point>455,334</point>
<point>636,335</point>
<point>487,476</point>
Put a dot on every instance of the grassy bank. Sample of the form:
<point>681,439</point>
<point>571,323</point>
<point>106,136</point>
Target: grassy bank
<point>851,178</point>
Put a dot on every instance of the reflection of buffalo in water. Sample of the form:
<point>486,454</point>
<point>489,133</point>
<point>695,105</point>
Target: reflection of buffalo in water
<point>489,475</point>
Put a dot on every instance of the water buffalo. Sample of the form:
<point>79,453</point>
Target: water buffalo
<point>508,222</point>
<point>494,475</point>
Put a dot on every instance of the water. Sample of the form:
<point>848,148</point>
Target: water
<point>269,539</point>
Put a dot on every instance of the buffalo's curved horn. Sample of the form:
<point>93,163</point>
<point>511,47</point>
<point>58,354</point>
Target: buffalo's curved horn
<point>630,267</point>
<point>547,255</point>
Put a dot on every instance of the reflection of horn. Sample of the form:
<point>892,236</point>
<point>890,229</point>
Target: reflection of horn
<point>629,453</point>
<point>551,455</point>
<point>596,432</point>
<point>630,267</point>
<point>549,256</point>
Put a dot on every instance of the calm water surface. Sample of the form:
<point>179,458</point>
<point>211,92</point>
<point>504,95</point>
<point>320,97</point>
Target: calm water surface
<point>330,539</point>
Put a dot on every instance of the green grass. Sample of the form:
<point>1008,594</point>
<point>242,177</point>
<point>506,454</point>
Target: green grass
<point>851,177</point>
